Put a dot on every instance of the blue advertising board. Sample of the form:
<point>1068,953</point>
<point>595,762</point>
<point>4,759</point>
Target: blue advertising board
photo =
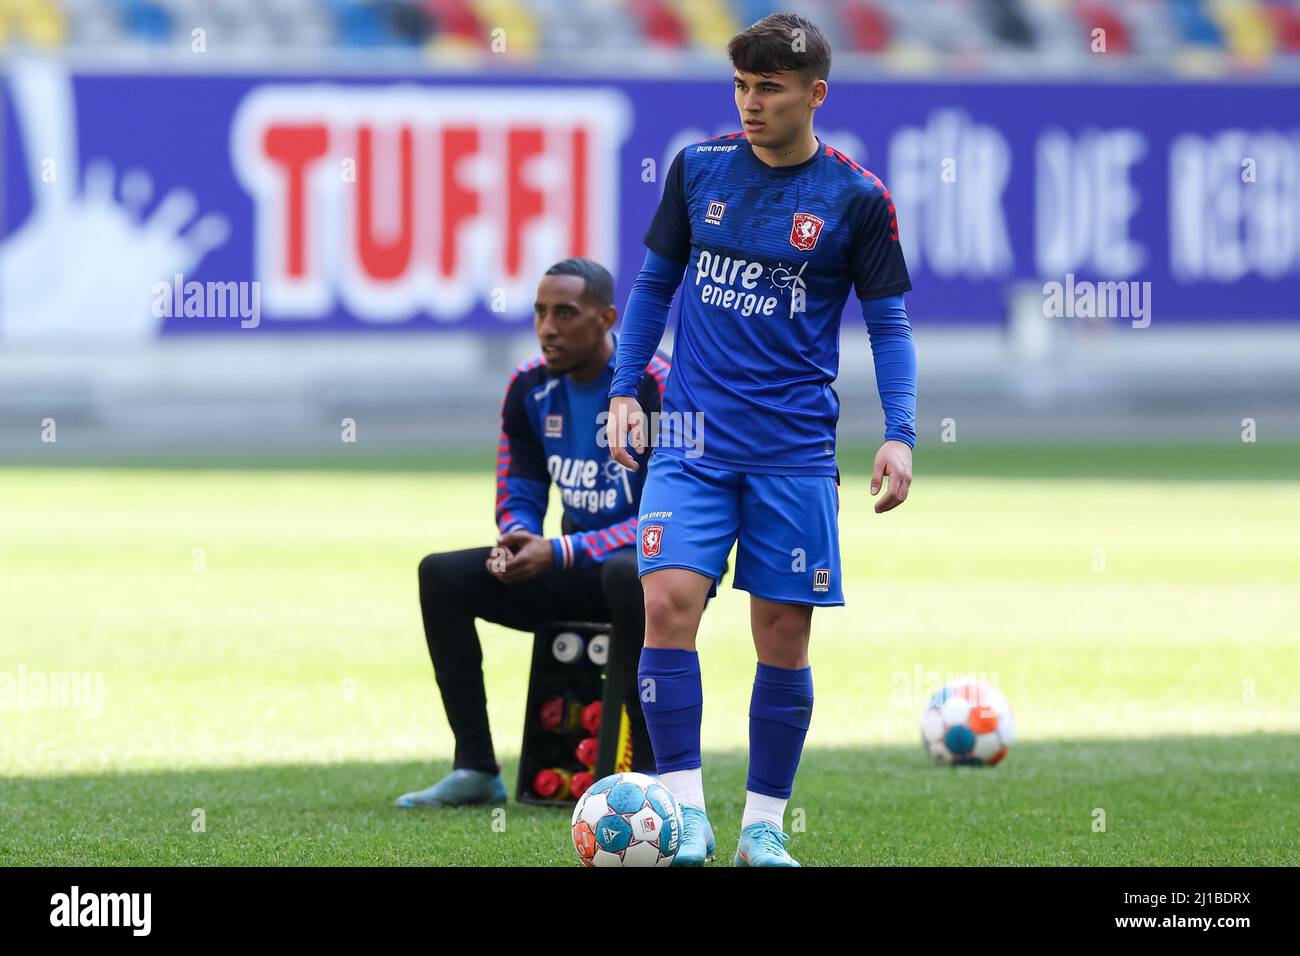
<point>355,203</point>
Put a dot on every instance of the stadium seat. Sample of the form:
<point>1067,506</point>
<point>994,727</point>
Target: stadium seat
<point>408,24</point>
<point>516,19</point>
<point>946,26</point>
<point>1008,23</point>
<point>709,22</point>
<point>1195,27</point>
<point>38,23</point>
<point>299,23</point>
<point>912,35</point>
<point>1247,31</point>
<point>868,27</point>
<point>359,24</point>
<point>91,24</point>
<point>456,21</point>
<point>1285,18</point>
<point>145,21</point>
<point>1100,16</point>
<point>578,21</point>
<point>659,23</point>
<point>1151,28</point>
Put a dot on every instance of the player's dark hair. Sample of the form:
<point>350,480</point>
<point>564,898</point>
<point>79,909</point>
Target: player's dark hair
<point>782,41</point>
<point>597,283</point>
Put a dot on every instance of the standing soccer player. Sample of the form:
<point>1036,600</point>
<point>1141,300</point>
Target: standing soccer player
<point>771,229</point>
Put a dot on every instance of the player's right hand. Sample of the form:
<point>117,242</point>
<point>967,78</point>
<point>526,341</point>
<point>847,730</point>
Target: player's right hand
<point>893,461</point>
<point>626,423</point>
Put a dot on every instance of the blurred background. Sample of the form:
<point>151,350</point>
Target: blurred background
<point>383,182</point>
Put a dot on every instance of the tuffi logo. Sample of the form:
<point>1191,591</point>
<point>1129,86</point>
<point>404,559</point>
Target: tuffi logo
<point>396,200</point>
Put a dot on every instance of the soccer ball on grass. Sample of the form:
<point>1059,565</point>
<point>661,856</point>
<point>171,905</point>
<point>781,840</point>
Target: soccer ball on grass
<point>967,721</point>
<point>627,819</point>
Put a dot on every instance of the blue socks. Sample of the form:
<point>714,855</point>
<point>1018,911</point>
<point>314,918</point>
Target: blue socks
<point>779,713</point>
<point>780,710</point>
<point>672,700</point>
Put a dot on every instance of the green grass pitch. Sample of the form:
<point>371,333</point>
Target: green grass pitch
<point>265,676</point>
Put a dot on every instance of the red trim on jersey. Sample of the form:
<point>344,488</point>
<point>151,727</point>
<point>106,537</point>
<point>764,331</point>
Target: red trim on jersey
<point>504,517</point>
<point>659,369</point>
<point>875,181</point>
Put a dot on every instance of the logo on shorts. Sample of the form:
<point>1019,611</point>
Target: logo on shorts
<point>805,230</point>
<point>652,539</point>
<point>822,579</point>
<point>554,426</point>
<point>716,208</point>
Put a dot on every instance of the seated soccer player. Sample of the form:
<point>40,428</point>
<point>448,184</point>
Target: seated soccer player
<point>549,429</point>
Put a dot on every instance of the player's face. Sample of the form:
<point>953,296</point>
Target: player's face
<point>570,327</point>
<point>775,108</point>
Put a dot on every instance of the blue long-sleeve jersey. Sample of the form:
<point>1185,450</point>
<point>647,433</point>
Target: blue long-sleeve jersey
<point>766,257</point>
<point>550,432</point>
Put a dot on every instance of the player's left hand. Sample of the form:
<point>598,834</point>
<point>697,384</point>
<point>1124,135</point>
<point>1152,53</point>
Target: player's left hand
<point>530,554</point>
<point>894,460</point>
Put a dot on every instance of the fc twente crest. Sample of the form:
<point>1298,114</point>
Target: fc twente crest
<point>652,539</point>
<point>805,230</point>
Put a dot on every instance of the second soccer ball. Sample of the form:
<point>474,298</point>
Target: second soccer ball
<point>967,722</point>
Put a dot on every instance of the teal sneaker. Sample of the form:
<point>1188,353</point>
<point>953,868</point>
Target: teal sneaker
<point>458,788</point>
<point>698,846</point>
<point>762,844</point>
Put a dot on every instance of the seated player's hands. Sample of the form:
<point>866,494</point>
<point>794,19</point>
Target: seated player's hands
<point>894,461</point>
<point>626,425</point>
<point>528,554</point>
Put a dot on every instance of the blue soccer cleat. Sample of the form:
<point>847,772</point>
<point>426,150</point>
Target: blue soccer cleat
<point>763,844</point>
<point>698,846</point>
<point>459,788</point>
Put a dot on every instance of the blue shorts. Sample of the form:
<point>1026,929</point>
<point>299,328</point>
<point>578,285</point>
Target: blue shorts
<point>787,526</point>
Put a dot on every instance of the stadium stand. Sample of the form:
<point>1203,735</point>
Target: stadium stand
<point>1196,36</point>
